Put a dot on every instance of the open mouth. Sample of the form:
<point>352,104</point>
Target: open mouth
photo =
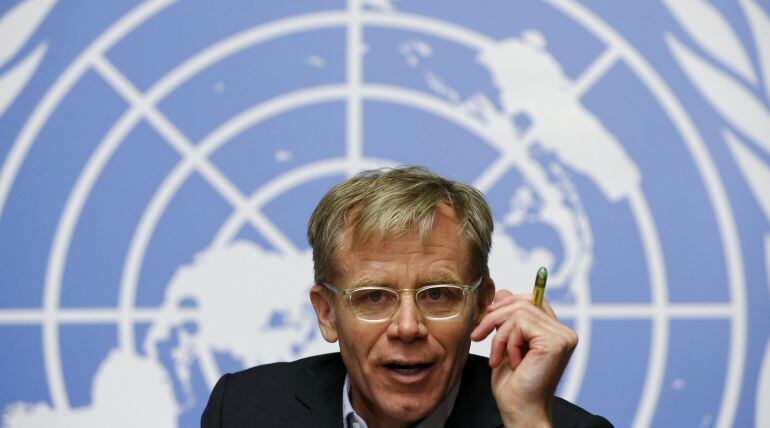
<point>408,368</point>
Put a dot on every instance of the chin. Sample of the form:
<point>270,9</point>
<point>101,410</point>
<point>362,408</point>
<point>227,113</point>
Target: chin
<point>407,408</point>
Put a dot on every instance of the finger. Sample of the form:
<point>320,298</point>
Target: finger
<point>489,321</point>
<point>524,324</point>
<point>504,300</point>
<point>529,330</point>
<point>508,341</point>
<point>517,347</point>
<point>497,317</point>
<point>499,343</point>
<point>541,325</point>
<point>549,309</point>
<point>494,319</point>
<point>501,295</point>
<point>505,297</point>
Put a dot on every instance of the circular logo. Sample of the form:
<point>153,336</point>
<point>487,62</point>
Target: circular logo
<point>194,158</point>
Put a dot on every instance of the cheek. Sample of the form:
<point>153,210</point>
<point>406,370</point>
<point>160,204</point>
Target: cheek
<point>455,339</point>
<point>356,338</point>
<point>456,346</point>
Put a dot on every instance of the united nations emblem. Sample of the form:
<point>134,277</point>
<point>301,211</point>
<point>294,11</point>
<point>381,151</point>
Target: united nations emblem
<point>154,199</point>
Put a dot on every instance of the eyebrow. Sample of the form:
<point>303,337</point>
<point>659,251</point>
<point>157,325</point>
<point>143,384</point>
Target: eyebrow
<point>444,278</point>
<point>366,282</point>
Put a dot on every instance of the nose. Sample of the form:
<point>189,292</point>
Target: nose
<point>407,324</point>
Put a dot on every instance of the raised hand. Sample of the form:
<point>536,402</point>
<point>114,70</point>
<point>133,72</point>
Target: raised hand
<point>529,354</point>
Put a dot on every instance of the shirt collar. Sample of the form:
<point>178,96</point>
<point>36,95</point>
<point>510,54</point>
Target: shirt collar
<point>439,416</point>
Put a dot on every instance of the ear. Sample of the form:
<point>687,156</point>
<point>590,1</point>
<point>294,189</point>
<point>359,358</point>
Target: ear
<point>486,297</point>
<point>324,312</point>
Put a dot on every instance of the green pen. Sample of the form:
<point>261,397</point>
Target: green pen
<point>539,291</point>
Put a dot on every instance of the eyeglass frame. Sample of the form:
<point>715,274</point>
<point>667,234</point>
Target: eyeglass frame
<point>346,294</point>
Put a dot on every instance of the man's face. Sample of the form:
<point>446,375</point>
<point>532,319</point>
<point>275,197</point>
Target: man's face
<point>433,351</point>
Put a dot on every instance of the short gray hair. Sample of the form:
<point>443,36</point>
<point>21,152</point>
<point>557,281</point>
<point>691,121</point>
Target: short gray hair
<point>384,203</point>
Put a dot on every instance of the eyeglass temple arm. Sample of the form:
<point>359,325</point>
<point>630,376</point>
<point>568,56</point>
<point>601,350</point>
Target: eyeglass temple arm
<point>477,284</point>
<point>332,288</point>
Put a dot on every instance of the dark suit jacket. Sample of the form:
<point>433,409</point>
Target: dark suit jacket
<point>308,393</point>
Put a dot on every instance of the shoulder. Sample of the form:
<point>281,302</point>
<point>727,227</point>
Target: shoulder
<point>264,390</point>
<point>563,413</point>
<point>280,376</point>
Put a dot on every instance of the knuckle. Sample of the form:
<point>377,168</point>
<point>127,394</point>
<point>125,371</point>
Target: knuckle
<point>483,327</point>
<point>520,305</point>
<point>498,341</point>
<point>521,311</point>
<point>573,338</point>
<point>570,339</point>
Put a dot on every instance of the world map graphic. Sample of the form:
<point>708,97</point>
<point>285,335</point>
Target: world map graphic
<point>166,158</point>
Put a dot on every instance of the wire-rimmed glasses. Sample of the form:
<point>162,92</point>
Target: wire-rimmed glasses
<point>434,302</point>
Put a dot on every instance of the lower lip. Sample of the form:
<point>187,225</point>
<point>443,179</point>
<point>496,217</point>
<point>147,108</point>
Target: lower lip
<point>408,377</point>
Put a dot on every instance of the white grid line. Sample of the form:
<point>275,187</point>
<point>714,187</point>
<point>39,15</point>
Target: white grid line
<point>590,76</point>
<point>354,113</point>
<point>185,148</point>
<point>594,72</point>
<point>148,315</point>
<point>716,192</point>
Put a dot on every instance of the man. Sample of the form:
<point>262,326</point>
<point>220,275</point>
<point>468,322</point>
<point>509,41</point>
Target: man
<point>401,282</point>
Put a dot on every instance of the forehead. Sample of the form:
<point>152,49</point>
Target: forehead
<point>441,255</point>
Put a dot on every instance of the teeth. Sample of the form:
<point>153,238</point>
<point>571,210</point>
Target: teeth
<point>406,368</point>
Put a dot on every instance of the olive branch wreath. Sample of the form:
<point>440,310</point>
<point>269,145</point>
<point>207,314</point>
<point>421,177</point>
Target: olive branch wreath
<point>731,88</point>
<point>17,26</point>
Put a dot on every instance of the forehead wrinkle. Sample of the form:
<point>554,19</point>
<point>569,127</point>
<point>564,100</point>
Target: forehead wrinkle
<point>442,278</point>
<point>348,248</point>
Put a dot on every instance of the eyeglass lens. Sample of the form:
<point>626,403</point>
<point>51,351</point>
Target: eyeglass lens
<point>374,304</point>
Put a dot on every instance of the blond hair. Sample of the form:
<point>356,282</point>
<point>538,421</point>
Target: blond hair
<point>385,203</point>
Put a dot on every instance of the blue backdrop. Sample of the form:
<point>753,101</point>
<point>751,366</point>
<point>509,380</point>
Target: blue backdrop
<point>159,161</point>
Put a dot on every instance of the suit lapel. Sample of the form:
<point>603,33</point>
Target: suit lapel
<point>475,405</point>
<point>320,395</point>
<point>320,392</point>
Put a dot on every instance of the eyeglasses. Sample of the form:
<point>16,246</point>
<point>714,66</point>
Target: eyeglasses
<point>434,302</point>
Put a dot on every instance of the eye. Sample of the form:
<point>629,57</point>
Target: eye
<point>375,296</point>
<point>435,293</point>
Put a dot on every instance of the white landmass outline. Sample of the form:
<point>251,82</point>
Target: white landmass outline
<point>128,391</point>
<point>252,305</point>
